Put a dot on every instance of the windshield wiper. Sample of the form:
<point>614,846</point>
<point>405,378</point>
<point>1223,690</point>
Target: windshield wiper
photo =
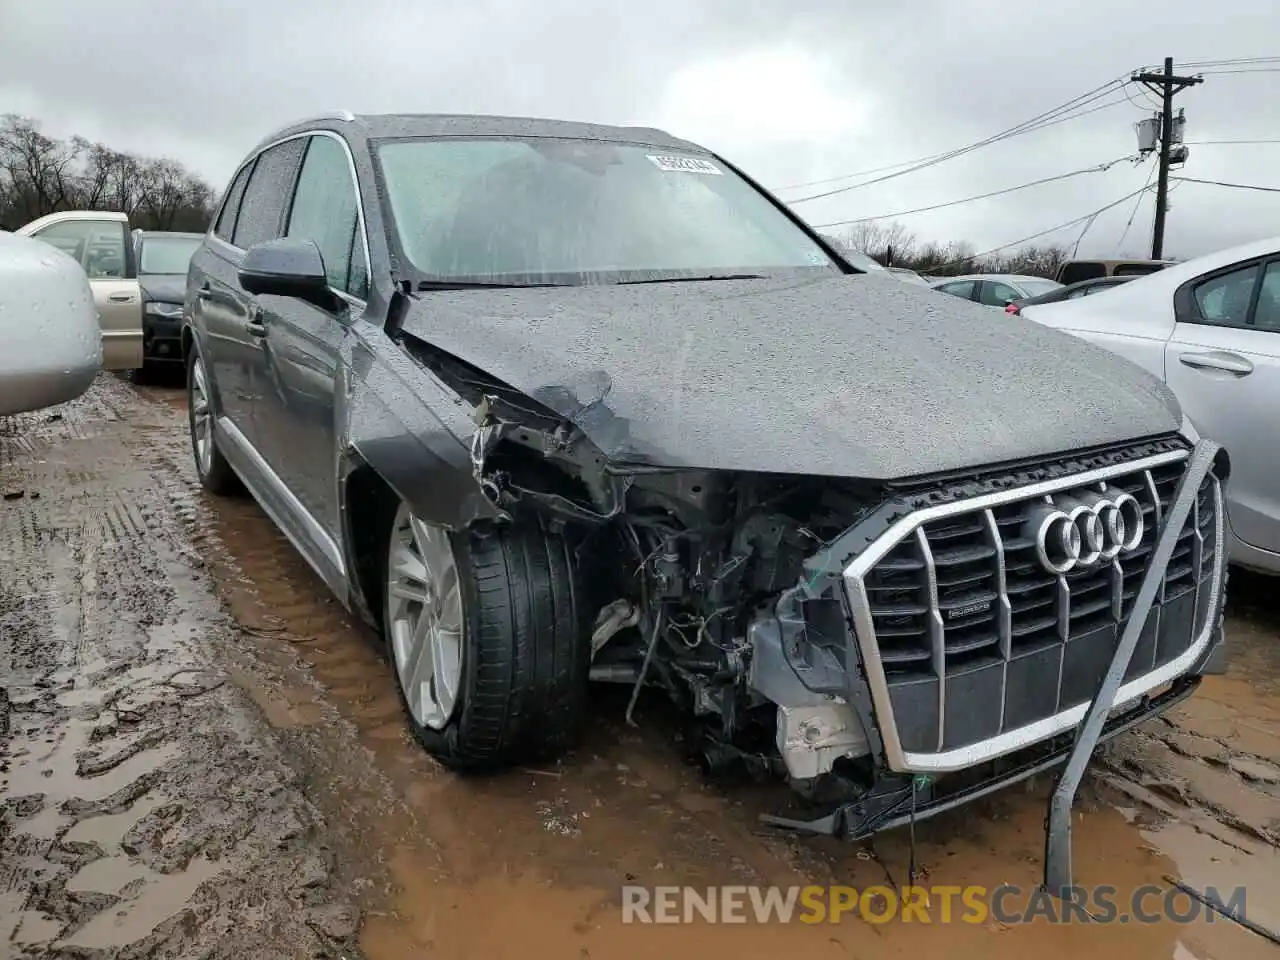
<point>716,276</point>
<point>477,285</point>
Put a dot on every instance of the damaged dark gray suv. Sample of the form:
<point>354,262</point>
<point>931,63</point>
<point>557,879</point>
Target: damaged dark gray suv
<point>553,402</point>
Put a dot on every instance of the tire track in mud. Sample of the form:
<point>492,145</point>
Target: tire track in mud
<point>142,811</point>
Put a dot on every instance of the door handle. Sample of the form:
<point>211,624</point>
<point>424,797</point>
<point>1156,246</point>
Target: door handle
<point>254,325</point>
<point>1231,363</point>
<point>205,292</point>
<point>121,298</point>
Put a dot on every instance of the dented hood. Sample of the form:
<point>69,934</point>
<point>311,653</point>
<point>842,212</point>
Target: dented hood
<point>847,375</point>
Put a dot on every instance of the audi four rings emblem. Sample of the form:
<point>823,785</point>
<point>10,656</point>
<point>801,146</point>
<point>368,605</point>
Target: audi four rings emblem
<point>1084,529</point>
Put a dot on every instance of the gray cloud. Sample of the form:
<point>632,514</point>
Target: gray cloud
<point>814,91</point>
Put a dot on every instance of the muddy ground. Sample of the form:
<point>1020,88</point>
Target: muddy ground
<point>202,756</point>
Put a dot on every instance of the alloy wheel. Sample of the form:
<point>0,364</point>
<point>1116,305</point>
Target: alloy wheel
<point>424,618</point>
<point>201,418</point>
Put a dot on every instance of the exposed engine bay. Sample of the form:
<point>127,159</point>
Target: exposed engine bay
<point>690,571</point>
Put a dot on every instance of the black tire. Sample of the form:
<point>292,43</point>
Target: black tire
<point>526,656</point>
<point>153,372</point>
<point>218,478</point>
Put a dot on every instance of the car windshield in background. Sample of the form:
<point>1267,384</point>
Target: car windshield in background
<point>1037,287</point>
<point>552,211</point>
<point>167,254</point>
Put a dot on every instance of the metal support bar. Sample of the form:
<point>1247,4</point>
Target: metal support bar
<point>1057,857</point>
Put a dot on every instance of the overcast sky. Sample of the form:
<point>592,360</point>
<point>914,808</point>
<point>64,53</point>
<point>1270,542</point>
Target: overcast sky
<point>793,92</point>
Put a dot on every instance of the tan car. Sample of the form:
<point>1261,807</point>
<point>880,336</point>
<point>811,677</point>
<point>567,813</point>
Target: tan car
<point>99,241</point>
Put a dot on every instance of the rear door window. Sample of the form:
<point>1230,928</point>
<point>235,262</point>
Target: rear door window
<point>996,294</point>
<point>267,194</point>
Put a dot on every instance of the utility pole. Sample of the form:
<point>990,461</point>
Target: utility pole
<point>1165,84</point>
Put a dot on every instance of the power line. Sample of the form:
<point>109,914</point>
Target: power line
<point>1225,143</point>
<point>1100,168</point>
<point>1122,83</point>
<point>1058,114</point>
<point>1054,229</point>
<point>1237,61</point>
<point>1223,73</point>
<point>1136,205</point>
<point>1238,186</point>
<point>1143,107</point>
<point>1049,118</point>
<point>860,173</point>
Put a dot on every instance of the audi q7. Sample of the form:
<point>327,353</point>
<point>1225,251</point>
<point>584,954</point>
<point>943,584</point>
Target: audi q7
<point>552,402</point>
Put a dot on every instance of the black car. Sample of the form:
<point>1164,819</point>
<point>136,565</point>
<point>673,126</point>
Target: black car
<point>163,258</point>
<point>1073,291</point>
<point>553,402</point>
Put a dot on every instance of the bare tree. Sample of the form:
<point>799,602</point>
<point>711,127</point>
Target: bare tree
<point>38,171</point>
<point>167,191</point>
<point>876,238</point>
<point>40,174</point>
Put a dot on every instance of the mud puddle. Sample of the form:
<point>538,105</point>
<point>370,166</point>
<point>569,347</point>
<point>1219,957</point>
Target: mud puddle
<point>531,863</point>
<point>145,809</point>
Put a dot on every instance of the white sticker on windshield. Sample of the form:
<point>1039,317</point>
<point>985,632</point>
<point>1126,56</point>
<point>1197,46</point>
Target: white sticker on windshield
<point>685,165</point>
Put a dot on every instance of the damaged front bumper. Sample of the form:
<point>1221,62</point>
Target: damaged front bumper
<point>928,639</point>
<point>899,799</point>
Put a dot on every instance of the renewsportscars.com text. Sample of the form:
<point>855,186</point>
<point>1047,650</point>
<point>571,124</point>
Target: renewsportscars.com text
<point>1006,904</point>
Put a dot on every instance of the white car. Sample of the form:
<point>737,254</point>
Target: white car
<point>51,347</point>
<point>1210,328</point>
<point>99,241</point>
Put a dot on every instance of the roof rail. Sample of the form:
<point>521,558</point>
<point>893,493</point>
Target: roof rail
<point>344,115</point>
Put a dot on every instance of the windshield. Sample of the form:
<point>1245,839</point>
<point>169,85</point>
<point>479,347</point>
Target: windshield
<point>167,254</point>
<point>542,210</point>
<point>1037,287</point>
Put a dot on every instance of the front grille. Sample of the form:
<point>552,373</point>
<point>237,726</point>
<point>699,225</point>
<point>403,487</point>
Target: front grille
<point>976,638</point>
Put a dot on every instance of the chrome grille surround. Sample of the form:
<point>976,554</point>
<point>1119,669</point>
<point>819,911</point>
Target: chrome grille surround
<point>910,529</point>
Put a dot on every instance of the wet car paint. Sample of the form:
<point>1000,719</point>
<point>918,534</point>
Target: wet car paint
<point>835,376</point>
<point>50,342</point>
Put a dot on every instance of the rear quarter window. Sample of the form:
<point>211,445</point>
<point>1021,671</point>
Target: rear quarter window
<point>225,228</point>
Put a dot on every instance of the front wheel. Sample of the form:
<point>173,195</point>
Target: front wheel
<point>485,636</point>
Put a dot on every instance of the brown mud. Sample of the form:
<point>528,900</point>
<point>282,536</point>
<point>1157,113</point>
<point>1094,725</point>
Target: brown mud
<point>206,758</point>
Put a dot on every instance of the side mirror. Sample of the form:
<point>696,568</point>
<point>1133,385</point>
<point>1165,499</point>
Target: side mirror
<point>48,325</point>
<point>286,268</point>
